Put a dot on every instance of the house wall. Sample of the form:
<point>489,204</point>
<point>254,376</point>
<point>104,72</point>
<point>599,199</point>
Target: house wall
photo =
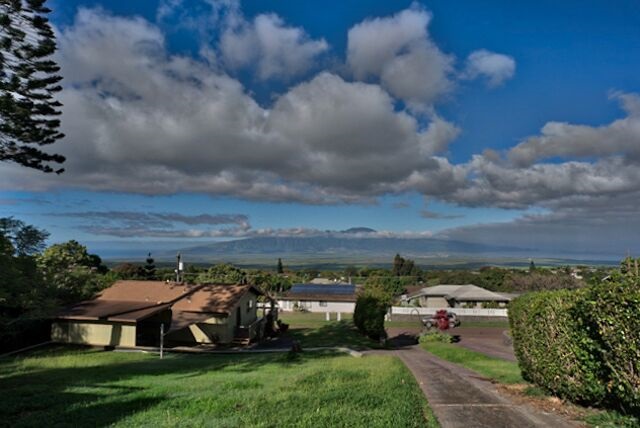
<point>94,333</point>
<point>314,306</point>
<point>219,328</point>
<point>433,302</point>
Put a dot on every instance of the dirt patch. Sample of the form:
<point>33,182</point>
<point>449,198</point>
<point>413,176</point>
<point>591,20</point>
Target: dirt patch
<point>544,403</point>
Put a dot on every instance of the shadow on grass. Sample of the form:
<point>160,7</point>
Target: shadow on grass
<point>337,333</point>
<point>80,394</point>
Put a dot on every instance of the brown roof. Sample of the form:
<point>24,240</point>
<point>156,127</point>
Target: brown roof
<point>112,310</point>
<point>215,298</point>
<point>131,301</point>
<point>324,297</point>
<point>146,291</point>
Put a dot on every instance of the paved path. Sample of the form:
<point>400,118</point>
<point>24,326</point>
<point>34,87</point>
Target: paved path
<point>461,398</point>
<point>489,341</point>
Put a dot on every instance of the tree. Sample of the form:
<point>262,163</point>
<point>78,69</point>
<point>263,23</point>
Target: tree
<point>26,239</point>
<point>532,266</point>
<point>280,268</point>
<point>150,268</point>
<point>67,267</point>
<point>222,274</point>
<point>403,267</point>
<point>28,83</point>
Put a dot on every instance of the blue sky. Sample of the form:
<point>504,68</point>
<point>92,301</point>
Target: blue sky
<point>495,122</point>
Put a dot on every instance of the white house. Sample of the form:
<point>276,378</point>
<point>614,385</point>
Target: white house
<point>457,296</point>
<point>319,298</point>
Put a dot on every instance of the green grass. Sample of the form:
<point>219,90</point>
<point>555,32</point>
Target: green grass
<point>493,368</point>
<point>63,387</point>
<point>312,330</point>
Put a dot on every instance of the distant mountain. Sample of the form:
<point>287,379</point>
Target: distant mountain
<point>359,230</point>
<point>325,245</point>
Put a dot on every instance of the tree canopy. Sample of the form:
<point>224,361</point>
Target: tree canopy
<point>28,83</point>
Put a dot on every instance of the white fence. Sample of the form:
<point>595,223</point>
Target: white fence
<point>468,312</point>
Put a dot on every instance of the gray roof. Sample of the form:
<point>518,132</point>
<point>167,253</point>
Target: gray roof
<point>461,293</point>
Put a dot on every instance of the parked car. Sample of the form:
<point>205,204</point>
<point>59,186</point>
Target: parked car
<point>442,319</point>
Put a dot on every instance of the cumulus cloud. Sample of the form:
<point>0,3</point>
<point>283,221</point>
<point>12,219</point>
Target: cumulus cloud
<point>277,50</point>
<point>399,52</point>
<point>494,67</point>
<point>598,161</point>
<point>559,139</point>
<point>155,123</point>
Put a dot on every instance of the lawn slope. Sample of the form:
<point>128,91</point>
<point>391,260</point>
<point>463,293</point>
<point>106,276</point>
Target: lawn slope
<point>92,388</point>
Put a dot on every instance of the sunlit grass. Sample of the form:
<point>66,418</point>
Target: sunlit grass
<point>493,368</point>
<point>93,388</point>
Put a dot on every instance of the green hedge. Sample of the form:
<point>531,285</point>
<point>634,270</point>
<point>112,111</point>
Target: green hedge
<point>583,345</point>
<point>613,319</point>
<point>368,316</point>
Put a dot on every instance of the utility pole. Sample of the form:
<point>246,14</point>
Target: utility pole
<point>179,269</point>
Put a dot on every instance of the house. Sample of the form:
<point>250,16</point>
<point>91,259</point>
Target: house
<point>217,314</point>
<point>339,298</point>
<point>132,313</point>
<point>457,296</point>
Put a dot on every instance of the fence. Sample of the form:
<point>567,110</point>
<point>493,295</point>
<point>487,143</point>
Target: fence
<point>463,312</point>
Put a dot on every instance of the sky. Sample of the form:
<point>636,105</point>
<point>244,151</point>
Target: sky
<point>187,121</point>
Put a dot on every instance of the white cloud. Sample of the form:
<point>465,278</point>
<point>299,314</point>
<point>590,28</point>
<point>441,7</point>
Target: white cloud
<point>559,139</point>
<point>494,67</point>
<point>277,50</point>
<point>156,123</point>
<point>399,52</point>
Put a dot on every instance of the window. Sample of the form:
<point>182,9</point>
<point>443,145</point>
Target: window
<point>323,303</point>
<point>249,305</point>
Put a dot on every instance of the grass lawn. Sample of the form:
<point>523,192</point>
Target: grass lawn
<point>312,330</point>
<point>67,387</point>
<point>493,368</point>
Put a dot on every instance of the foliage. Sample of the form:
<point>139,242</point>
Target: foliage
<point>269,282</point>
<point>149,268</point>
<point>369,313</point>
<point>403,267</point>
<point>26,239</point>
<point>28,83</point>
<point>553,346</point>
<point>223,273</point>
<point>72,271</point>
<point>611,312</point>
<point>435,336</point>
<point>584,344</point>
<point>129,271</point>
<point>279,267</point>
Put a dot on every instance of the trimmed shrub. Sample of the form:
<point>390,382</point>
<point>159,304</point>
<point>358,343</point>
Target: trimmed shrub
<point>553,346</point>
<point>612,314</point>
<point>583,345</point>
<point>368,316</point>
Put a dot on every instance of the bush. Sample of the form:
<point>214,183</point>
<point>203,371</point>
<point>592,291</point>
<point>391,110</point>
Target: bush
<point>368,316</point>
<point>612,316</point>
<point>553,347</point>
<point>583,345</point>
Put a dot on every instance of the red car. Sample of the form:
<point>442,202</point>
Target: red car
<point>442,319</point>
